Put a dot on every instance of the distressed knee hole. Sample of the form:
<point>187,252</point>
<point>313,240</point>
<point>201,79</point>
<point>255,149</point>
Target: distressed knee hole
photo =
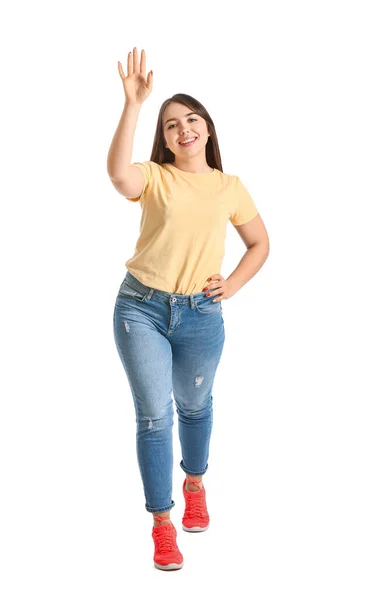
<point>198,381</point>
<point>126,325</point>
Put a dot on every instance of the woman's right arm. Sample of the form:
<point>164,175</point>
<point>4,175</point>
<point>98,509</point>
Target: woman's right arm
<point>126,178</point>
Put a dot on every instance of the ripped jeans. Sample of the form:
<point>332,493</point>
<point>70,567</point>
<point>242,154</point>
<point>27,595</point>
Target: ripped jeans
<point>168,343</point>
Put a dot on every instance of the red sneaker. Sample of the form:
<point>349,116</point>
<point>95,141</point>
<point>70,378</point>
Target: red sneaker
<point>196,517</point>
<point>167,555</point>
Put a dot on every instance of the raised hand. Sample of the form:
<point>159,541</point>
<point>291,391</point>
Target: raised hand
<point>136,87</point>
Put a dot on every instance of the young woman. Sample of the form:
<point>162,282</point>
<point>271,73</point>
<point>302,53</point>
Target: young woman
<point>168,318</point>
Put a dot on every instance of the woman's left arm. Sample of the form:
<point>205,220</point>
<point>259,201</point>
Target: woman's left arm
<point>256,240</point>
<point>255,237</point>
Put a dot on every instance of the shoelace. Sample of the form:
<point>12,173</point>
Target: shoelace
<point>195,503</point>
<point>165,536</point>
<point>199,484</point>
<point>194,506</point>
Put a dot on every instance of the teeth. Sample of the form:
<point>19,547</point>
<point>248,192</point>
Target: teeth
<point>187,141</point>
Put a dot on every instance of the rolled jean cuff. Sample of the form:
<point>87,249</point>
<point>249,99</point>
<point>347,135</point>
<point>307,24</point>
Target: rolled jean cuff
<point>163,509</point>
<point>193,472</point>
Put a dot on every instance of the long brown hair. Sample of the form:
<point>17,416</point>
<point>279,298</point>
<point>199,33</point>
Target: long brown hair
<point>160,154</point>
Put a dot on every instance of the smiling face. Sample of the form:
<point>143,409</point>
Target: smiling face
<point>181,123</point>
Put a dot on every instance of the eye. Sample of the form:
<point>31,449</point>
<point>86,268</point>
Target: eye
<point>190,118</point>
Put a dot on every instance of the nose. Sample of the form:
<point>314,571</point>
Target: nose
<point>182,130</point>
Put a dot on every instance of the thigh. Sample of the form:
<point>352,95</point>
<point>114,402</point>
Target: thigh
<point>196,353</point>
<point>146,356</point>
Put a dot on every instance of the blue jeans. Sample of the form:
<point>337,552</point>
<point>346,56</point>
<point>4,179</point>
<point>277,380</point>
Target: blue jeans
<point>168,343</point>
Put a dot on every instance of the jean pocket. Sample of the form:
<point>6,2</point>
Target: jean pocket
<point>206,306</point>
<point>128,291</point>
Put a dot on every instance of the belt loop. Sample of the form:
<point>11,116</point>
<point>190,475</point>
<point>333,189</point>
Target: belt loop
<point>149,294</point>
<point>192,304</point>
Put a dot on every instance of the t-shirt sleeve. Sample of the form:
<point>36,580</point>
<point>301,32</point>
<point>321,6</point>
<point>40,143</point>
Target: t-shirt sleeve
<point>146,168</point>
<point>244,208</point>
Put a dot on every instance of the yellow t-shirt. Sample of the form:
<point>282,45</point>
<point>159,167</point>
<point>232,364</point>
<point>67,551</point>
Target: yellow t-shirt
<point>183,225</point>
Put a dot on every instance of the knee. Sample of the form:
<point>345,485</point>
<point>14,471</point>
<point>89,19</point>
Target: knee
<point>155,422</point>
<point>196,409</point>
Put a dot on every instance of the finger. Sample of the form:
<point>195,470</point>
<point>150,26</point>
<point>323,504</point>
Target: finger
<point>150,80</point>
<point>130,67</point>
<point>143,64</point>
<point>213,291</point>
<point>135,61</point>
<point>120,69</point>
<point>210,287</point>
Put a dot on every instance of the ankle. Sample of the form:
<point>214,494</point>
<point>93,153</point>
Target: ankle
<point>161,520</point>
<point>193,487</point>
<point>158,524</point>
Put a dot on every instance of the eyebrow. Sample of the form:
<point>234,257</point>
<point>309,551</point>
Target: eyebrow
<point>175,118</point>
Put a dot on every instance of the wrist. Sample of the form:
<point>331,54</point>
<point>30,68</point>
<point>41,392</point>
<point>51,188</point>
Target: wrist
<point>132,105</point>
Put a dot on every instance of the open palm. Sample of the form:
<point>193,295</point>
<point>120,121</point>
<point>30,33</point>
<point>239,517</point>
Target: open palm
<point>136,86</point>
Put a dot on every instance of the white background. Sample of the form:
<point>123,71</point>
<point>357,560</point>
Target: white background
<point>284,85</point>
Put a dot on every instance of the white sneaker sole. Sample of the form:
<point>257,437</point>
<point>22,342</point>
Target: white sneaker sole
<point>169,567</point>
<point>195,529</point>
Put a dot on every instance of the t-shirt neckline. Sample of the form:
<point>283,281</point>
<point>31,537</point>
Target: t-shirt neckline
<point>189,172</point>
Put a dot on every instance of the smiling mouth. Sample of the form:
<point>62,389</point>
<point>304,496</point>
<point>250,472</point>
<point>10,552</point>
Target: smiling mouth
<point>188,143</point>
